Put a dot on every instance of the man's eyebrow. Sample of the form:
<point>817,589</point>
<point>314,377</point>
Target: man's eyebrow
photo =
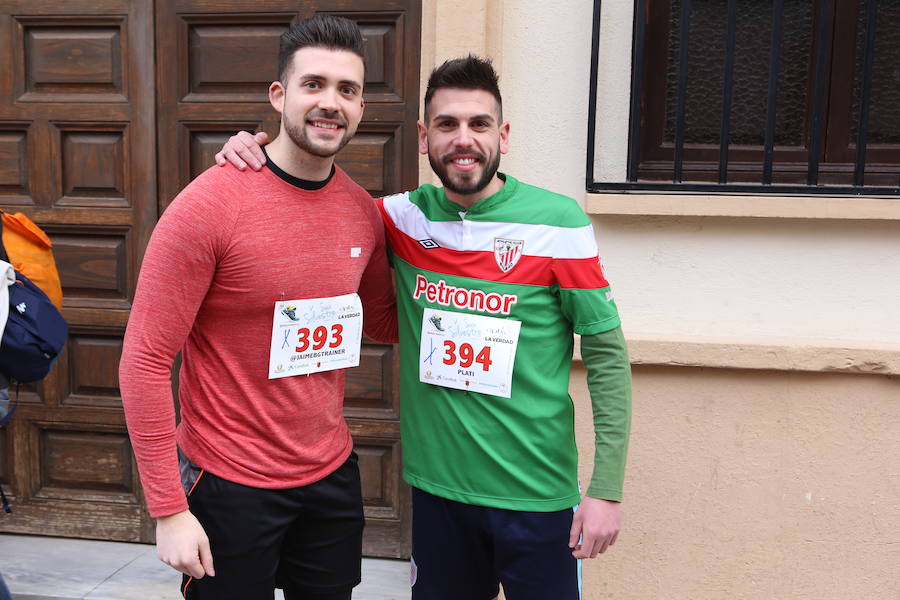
<point>481,117</point>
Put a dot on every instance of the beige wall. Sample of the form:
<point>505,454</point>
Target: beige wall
<point>822,279</point>
<point>755,484</point>
<point>765,334</point>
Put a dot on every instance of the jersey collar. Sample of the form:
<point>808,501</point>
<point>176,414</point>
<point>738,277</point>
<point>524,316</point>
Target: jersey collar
<point>485,204</point>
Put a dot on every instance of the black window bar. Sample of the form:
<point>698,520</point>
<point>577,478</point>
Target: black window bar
<point>774,63</point>
<point>766,186</point>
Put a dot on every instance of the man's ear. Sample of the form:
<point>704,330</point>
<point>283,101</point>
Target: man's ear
<point>276,95</point>
<point>504,137</point>
<point>423,137</point>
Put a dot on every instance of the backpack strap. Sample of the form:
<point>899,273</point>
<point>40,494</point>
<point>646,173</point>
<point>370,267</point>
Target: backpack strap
<point>12,402</point>
<point>13,405</point>
<point>3,255</point>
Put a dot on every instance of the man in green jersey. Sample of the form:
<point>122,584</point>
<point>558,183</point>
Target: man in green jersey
<point>493,277</point>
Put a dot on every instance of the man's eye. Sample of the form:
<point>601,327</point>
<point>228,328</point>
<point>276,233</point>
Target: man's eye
<point>311,84</point>
<point>349,91</point>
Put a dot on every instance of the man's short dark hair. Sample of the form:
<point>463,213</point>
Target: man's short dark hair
<point>469,73</point>
<point>320,31</point>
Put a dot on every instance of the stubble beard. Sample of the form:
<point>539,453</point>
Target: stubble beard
<point>298,135</point>
<point>464,185</point>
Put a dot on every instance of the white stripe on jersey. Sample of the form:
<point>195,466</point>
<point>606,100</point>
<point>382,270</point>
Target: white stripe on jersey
<point>540,240</point>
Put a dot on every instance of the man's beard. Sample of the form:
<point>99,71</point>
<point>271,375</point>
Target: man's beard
<point>464,187</point>
<point>298,135</point>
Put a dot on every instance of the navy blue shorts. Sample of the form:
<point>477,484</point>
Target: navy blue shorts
<point>461,551</point>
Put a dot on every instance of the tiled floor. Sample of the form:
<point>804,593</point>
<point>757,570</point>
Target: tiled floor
<point>44,568</point>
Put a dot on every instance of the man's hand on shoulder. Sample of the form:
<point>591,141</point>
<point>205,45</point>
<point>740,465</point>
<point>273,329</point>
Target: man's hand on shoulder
<point>596,523</point>
<point>242,149</point>
<point>182,544</point>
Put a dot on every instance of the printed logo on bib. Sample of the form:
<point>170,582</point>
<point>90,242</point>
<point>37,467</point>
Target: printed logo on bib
<point>468,352</point>
<point>314,335</point>
<point>507,252</point>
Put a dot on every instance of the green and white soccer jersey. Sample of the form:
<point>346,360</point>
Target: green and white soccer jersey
<point>524,255</point>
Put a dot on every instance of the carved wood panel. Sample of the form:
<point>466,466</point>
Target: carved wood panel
<point>77,155</point>
<point>215,66</point>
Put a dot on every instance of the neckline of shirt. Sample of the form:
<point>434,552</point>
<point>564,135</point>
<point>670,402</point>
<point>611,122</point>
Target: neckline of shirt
<point>303,184</point>
<point>508,189</point>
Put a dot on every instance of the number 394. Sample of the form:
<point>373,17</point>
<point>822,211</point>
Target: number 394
<point>465,354</point>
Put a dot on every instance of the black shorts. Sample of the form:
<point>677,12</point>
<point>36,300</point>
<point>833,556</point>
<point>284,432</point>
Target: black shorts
<point>464,552</point>
<point>307,540</point>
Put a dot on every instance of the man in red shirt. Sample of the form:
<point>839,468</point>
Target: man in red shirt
<point>260,280</point>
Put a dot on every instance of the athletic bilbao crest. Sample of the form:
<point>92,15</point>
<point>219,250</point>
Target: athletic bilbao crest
<point>507,252</point>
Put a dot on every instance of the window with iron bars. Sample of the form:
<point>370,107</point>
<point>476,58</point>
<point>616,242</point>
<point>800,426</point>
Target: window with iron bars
<point>784,96</point>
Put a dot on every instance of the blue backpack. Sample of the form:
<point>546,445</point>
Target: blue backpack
<point>35,333</point>
<point>33,337</point>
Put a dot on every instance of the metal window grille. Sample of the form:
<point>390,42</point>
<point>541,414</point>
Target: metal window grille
<point>817,120</point>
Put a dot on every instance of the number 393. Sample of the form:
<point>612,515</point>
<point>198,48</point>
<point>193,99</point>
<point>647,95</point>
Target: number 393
<point>320,337</point>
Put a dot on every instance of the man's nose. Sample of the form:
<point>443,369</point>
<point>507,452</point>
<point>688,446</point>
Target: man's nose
<point>463,137</point>
<point>328,100</point>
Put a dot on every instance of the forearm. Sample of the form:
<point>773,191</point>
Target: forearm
<point>605,357</point>
<point>150,417</point>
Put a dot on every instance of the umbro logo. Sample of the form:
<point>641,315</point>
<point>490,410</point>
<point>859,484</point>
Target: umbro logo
<point>21,308</point>
<point>428,244</point>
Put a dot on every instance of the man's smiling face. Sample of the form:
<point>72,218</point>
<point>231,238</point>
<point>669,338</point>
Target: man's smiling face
<point>464,138</point>
<point>321,102</point>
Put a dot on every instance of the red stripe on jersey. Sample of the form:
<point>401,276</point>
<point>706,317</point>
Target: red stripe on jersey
<point>577,273</point>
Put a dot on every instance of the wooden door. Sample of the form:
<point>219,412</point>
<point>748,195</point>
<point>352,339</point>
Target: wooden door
<point>77,155</point>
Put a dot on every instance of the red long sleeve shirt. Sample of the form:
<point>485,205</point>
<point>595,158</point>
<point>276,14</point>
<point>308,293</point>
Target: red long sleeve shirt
<point>227,248</point>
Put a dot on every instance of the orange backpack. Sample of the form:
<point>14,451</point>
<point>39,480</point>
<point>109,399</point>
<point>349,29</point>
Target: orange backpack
<point>30,252</point>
